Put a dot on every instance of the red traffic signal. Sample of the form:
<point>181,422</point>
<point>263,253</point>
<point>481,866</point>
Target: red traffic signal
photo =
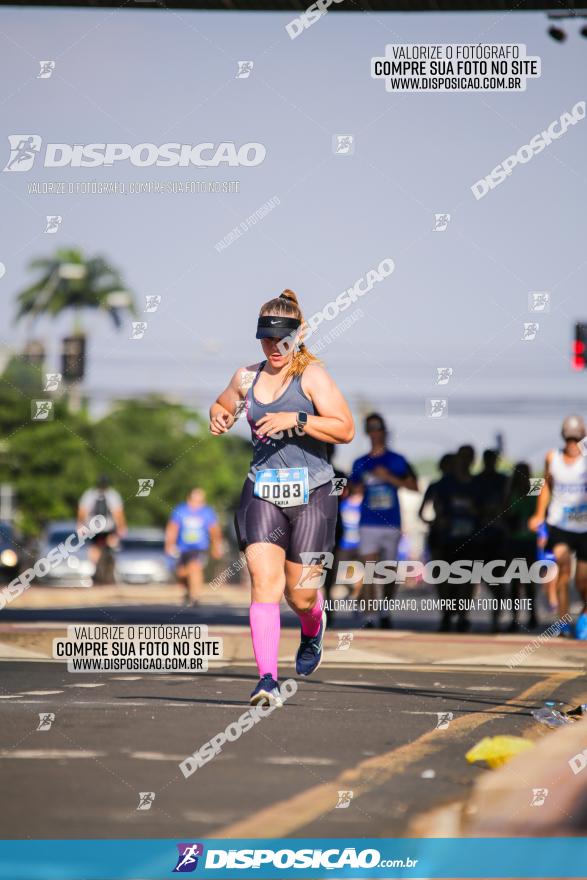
<point>579,356</point>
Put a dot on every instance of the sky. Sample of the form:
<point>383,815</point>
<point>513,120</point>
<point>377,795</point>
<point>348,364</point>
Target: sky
<point>457,298</point>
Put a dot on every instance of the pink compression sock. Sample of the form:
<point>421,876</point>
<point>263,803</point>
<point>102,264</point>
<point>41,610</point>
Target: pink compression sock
<point>265,628</point>
<point>311,620</point>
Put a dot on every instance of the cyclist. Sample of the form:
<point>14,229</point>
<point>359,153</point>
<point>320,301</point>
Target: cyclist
<point>102,500</point>
<point>287,513</point>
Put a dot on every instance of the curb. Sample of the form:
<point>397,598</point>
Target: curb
<point>536,794</point>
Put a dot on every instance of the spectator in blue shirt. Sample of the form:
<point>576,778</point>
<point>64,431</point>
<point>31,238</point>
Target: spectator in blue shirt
<point>380,474</point>
<point>191,532</point>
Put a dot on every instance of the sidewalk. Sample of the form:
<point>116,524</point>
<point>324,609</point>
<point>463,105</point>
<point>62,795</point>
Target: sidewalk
<point>125,594</point>
<point>225,611</point>
<point>33,640</point>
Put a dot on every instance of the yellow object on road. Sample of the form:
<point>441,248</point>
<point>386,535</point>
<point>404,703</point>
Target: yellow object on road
<point>498,750</point>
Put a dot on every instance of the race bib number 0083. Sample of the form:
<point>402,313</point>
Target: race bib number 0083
<point>284,487</point>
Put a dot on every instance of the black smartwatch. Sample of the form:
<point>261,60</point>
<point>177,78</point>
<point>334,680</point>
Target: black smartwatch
<point>302,420</point>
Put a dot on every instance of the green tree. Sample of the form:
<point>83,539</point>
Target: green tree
<point>50,463</point>
<point>70,281</point>
<point>44,461</point>
<point>171,445</point>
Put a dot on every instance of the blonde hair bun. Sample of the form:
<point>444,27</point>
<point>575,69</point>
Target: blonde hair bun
<point>289,295</point>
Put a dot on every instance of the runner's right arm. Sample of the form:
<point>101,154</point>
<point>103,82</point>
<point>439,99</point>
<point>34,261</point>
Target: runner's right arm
<point>222,411</point>
<point>171,533</point>
<point>543,499</point>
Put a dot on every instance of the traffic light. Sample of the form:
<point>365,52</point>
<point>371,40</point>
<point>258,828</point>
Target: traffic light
<point>34,353</point>
<point>73,358</point>
<point>580,347</point>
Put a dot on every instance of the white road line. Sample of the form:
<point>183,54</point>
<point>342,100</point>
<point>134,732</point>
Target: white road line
<point>49,754</point>
<point>291,759</point>
<point>416,712</point>
<point>356,684</point>
<point>39,693</point>
<point>119,704</point>
<point>85,685</point>
<point>487,687</point>
<point>155,756</point>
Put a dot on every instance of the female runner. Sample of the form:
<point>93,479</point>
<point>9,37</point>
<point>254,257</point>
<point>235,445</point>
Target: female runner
<point>287,514</point>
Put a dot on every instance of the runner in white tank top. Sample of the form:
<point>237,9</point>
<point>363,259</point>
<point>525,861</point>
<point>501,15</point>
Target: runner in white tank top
<point>568,494</point>
<point>563,504</point>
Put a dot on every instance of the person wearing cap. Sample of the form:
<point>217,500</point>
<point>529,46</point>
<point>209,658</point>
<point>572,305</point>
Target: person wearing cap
<point>286,518</point>
<point>562,502</point>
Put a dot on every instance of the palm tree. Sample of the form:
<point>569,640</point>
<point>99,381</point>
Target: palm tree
<point>69,280</point>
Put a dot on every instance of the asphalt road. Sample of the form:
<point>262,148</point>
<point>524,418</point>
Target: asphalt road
<point>366,730</point>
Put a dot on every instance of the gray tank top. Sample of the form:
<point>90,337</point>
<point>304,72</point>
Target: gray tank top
<point>287,449</point>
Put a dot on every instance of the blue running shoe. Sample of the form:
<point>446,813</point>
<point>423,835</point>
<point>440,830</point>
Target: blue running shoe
<point>267,692</point>
<point>309,654</point>
<point>566,631</point>
<point>581,627</point>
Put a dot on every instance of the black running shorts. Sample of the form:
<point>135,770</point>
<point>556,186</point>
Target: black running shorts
<point>575,541</point>
<point>188,556</point>
<point>306,528</point>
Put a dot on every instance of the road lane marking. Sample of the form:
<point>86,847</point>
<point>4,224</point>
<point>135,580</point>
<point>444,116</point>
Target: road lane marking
<point>155,756</point>
<point>39,693</point>
<point>355,684</point>
<point>488,687</point>
<point>119,704</point>
<point>49,754</point>
<point>286,760</point>
<point>286,816</point>
<point>85,685</point>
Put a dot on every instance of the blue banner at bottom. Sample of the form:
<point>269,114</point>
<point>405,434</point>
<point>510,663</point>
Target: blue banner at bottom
<point>273,859</point>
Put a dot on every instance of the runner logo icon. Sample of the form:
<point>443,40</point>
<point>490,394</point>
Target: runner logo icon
<point>187,859</point>
<point>23,151</point>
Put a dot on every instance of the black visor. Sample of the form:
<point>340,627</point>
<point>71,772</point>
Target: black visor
<point>276,327</point>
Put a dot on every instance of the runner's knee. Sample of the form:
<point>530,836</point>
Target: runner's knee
<point>267,586</point>
<point>302,600</point>
<point>563,560</point>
